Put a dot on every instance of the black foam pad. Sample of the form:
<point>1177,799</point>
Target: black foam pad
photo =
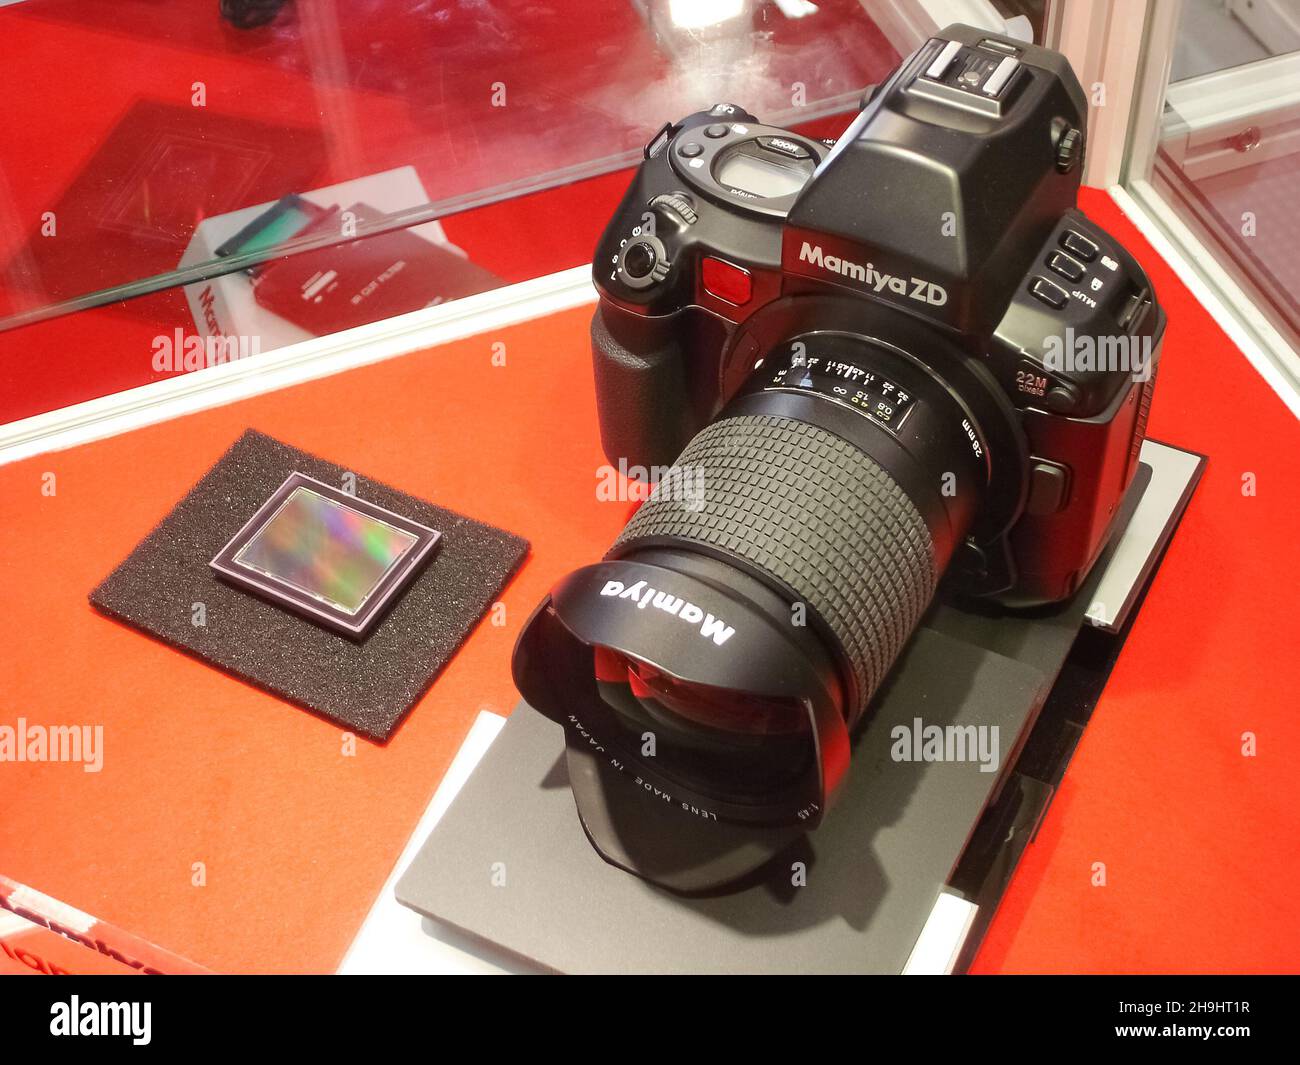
<point>367,686</point>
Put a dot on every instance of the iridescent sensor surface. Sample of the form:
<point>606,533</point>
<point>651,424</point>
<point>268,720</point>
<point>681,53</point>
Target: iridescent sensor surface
<point>328,550</point>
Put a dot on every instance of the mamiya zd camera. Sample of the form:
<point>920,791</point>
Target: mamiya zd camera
<point>862,370</point>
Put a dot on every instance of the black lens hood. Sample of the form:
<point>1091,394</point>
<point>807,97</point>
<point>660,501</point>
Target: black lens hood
<point>731,632</point>
<point>719,636</point>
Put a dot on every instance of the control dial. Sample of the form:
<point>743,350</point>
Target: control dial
<point>1069,150</point>
<point>676,204</point>
<point>642,262</point>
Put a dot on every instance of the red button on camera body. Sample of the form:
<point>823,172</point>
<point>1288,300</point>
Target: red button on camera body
<point>726,281</point>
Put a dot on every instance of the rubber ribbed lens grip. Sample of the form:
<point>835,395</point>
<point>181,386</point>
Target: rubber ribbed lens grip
<point>812,510</point>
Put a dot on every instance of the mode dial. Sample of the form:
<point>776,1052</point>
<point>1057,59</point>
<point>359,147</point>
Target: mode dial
<point>642,262</point>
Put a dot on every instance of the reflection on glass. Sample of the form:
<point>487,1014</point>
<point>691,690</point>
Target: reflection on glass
<point>211,109</point>
<point>1230,135</point>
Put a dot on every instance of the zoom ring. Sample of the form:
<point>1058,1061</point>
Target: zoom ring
<point>813,511</point>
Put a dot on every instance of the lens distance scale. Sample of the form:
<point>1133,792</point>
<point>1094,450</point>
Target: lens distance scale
<point>844,382</point>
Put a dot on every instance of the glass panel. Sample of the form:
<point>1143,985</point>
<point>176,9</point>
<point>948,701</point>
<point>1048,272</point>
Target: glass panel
<point>1228,143</point>
<point>204,114</point>
<point>185,168</point>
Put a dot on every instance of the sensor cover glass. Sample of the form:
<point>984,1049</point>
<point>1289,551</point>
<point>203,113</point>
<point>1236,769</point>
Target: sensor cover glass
<point>317,550</point>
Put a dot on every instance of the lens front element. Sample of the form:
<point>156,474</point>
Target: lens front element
<point>722,741</point>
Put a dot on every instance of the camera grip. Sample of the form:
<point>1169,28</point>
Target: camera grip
<point>641,388</point>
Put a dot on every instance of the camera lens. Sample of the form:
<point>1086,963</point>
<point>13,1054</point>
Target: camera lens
<point>741,622</point>
<point>827,479</point>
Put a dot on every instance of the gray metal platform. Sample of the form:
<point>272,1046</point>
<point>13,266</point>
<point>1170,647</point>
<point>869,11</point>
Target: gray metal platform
<point>510,865</point>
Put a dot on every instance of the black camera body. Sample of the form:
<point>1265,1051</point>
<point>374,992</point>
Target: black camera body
<point>853,370</point>
<point>943,224</point>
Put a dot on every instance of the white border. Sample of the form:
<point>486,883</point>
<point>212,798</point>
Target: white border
<point>394,940</point>
<point>214,386</point>
<point>940,943</point>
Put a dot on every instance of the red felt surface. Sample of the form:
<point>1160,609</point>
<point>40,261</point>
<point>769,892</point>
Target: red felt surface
<point>1197,841</point>
<point>295,834</point>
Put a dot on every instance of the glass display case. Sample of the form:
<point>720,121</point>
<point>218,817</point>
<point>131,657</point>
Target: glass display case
<point>243,241</point>
<point>1210,160</point>
<point>188,166</point>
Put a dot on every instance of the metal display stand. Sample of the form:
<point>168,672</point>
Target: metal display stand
<point>510,866</point>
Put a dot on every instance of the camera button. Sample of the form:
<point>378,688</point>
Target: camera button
<point>1061,399</point>
<point>1078,245</point>
<point>726,281</point>
<point>1069,150</point>
<point>643,263</point>
<point>784,146</point>
<point>1049,487</point>
<point>716,131</point>
<point>691,149</point>
<point>1067,267</point>
<point>639,259</point>
<point>1049,293</point>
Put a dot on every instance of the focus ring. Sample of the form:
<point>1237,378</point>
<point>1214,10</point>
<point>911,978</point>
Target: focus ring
<point>815,512</point>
